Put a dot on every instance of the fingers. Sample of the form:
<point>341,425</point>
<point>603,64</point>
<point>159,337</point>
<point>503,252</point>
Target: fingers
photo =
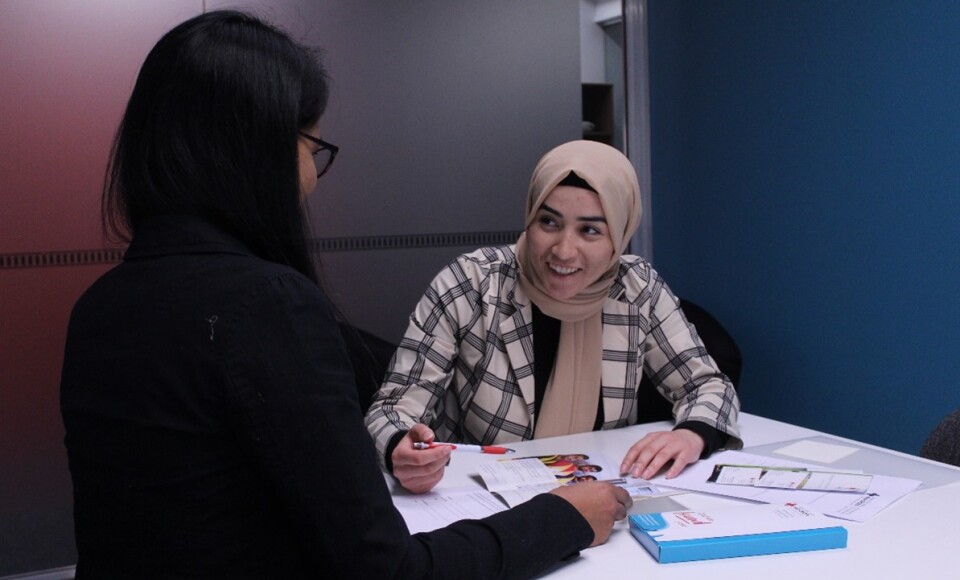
<point>601,504</point>
<point>419,470</point>
<point>646,457</point>
<point>630,459</point>
<point>691,446</point>
<point>420,433</point>
<point>619,503</point>
<point>624,502</point>
<point>420,482</point>
<point>656,450</point>
<point>680,461</point>
<point>417,474</point>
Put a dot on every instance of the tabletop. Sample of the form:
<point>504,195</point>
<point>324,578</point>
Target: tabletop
<point>913,537</point>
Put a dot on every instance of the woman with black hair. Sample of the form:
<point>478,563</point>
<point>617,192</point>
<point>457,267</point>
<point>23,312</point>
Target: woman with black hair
<point>205,376</point>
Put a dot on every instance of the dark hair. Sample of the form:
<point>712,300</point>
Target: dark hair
<point>574,180</point>
<point>211,130</point>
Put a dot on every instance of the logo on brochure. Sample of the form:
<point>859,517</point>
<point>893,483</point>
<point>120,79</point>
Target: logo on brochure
<point>694,518</point>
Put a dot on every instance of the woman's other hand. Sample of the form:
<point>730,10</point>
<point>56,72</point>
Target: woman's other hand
<point>652,453</point>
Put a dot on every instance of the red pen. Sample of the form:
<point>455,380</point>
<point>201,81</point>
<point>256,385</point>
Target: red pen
<point>464,447</point>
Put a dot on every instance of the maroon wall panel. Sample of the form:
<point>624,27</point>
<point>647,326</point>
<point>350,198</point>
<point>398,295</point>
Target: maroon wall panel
<point>66,70</point>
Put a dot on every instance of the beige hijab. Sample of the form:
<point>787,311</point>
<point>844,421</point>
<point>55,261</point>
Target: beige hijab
<point>570,402</point>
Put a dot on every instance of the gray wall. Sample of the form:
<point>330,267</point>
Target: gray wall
<point>441,108</point>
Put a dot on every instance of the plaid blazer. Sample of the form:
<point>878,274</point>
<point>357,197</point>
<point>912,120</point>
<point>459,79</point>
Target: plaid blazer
<point>465,364</point>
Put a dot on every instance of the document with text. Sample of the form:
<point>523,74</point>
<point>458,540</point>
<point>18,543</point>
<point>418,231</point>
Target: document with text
<point>856,506</point>
<point>510,482</point>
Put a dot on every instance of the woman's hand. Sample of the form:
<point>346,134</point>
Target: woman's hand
<point>647,456</point>
<point>599,503</point>
<point>419,470</point>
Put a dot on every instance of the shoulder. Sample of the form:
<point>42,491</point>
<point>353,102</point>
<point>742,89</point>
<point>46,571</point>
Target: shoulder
<point>273,312</point>
<point>472,280</point>
<point>636,280</point>
<point>250,291</point>
<point>481,265</point>
<point>491,259</point>
<point>261,281</point>
<point>186,281</point>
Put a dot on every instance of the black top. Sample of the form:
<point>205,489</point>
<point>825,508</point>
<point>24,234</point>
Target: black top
<point>546,329</point>
<point>213,430</point>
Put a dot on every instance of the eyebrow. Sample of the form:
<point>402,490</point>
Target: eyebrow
<point>585,218</point>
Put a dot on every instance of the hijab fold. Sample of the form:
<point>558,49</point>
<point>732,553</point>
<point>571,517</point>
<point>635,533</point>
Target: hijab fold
<point>570,401</point>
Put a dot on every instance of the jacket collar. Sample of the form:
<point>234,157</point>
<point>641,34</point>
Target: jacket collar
<point>181,234</point>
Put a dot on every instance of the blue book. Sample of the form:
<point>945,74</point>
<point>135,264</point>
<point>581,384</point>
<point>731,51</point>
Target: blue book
<point>730,532</point>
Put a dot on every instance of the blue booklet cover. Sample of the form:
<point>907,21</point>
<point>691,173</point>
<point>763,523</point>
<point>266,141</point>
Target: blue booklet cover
<point>748,530</point>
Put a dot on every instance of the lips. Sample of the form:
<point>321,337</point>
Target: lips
<point>561,270</point>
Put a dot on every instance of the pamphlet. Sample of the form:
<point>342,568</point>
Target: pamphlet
<point>511,482</point>
<point>883,490</point>
<point>790,478</point>
<point>516,480</point>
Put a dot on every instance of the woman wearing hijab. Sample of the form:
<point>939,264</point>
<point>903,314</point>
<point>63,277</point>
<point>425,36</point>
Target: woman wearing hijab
<point>552,336</point>
<point>205,375</point>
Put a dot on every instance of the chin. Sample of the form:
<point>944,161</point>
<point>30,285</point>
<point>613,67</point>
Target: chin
<point>562,294</point>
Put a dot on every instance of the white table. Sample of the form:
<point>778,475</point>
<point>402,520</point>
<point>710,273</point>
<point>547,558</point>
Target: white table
<point>917,537</point>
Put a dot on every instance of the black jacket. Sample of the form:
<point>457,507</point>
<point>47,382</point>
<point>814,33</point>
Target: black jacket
<point>213,430</point>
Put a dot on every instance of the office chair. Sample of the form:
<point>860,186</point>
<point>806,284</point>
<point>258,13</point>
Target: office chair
<point>943,444</point>
<point>651,406</point>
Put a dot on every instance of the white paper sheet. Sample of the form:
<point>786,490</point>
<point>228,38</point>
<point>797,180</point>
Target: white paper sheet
<point>511,482</point>
<point>883,490</point>
<point>506,475</point>
<point>816,451</point>
<point>791,478</point>
<point>515,497</point>
<point>431,511</point>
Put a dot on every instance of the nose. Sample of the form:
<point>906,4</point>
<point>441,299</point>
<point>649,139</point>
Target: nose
<point>565,249</point>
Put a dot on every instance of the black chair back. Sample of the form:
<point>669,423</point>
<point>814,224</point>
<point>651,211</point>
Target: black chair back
<point>370,356</point>
<point>651,406</point>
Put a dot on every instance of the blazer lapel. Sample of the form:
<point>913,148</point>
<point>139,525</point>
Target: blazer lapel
<point>516,328</point>
<point>621,369</point>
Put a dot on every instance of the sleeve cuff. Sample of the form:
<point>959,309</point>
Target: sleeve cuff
<point>388,451</point>
<point>713,438</point>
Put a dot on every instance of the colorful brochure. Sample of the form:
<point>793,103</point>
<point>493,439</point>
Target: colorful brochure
<point>516,480</point>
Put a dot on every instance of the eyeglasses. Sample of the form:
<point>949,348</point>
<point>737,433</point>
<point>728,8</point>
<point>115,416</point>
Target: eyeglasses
<point>324,156</point>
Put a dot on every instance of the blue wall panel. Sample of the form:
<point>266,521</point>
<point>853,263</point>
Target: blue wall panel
<point>806,183</point>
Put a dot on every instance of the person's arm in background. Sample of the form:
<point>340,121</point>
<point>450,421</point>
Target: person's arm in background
<point>291,400</point>
<point>705,402</point>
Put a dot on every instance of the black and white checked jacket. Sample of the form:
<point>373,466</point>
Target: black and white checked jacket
<point>465,364</point>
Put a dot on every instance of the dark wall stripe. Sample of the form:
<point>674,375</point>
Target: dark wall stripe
<point>321,245</point>
<point>60,258</point>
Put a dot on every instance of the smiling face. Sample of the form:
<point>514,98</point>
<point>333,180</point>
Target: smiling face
<point>569,241</point>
